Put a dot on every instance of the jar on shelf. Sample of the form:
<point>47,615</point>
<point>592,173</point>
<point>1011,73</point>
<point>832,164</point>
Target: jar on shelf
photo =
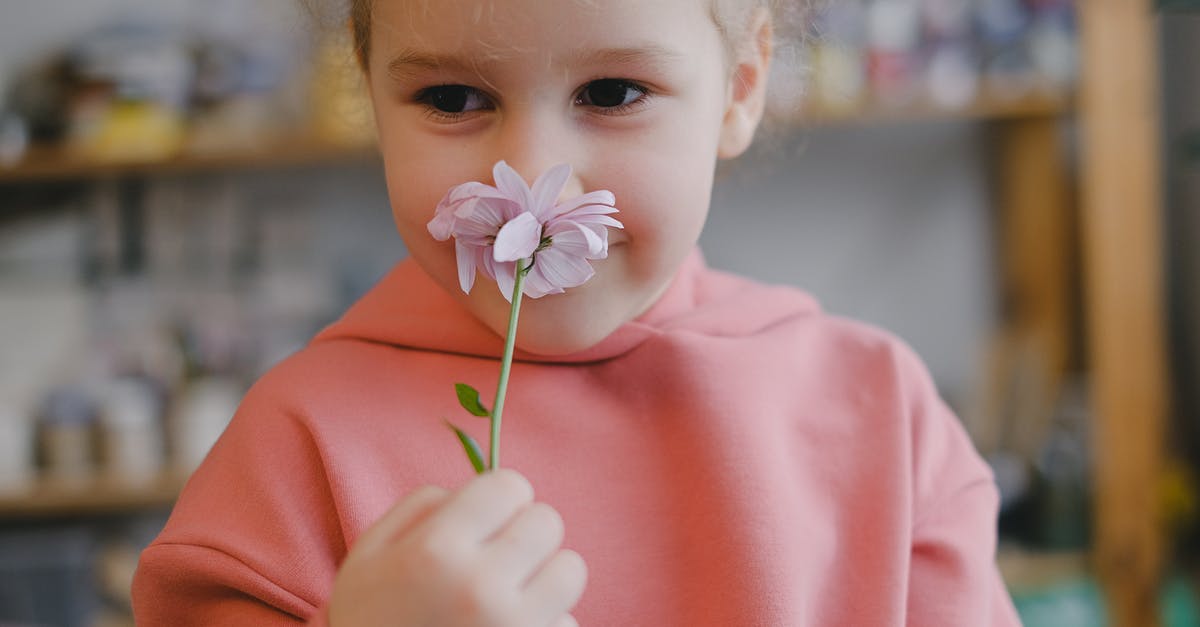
<point>17,470</point>
<point>67,435</point>
<point>204,410</point>
<point>131,420</point>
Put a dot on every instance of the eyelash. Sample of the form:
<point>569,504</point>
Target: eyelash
<point>426,97</point>
<point>621,109</point>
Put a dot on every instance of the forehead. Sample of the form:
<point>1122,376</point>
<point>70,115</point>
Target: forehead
<point>496,30</point>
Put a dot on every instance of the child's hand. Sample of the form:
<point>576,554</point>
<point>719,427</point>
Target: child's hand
<point>486,555</point>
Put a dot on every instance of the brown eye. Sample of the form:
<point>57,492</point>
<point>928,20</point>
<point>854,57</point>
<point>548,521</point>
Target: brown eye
<point>453,98</point>
<point>610,92</point>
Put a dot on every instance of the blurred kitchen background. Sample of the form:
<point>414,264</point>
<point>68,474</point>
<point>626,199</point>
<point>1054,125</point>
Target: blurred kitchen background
<point>188,192</point>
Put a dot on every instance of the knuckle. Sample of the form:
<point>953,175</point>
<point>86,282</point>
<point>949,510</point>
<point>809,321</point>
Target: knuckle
<point>441,544</point>
<point>483,600</point>
<point>546,519</point>
<point>428,550</point>
<point>436,551</point>
<point>512,484</point>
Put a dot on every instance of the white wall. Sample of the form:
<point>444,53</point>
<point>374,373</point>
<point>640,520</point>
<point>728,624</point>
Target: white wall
<point>888,224</point>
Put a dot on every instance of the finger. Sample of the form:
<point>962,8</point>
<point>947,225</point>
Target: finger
<point>556,588</point>
<point>481,508</point>
<point>526,542</point>
<point>409,512</point>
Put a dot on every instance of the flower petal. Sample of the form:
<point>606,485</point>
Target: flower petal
<point>512,185</point>
<point>600,199</point>
<point>588,211</point>
<point>466,256</point>
<point>441,227</point>
<point>596,243</point>
<point>461,202</point>
<point>536,285</point>
<point>576,239</point>
<point>602,233</point>
<point>561,269</point>
<point>505,275</point>
<point>473,189</point>
<point>546,189</point>
<point>480,219</point>
<point>518,238</point>
<point>496,210</point>
<point>596,220</point>
<point>485,263</point>
<point>496,226</point>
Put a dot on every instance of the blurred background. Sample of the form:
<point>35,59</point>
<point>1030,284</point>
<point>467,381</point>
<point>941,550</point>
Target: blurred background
<point>188,191</point>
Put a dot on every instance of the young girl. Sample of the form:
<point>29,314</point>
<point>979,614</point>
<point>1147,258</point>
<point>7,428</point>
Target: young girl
<point>705,450</point>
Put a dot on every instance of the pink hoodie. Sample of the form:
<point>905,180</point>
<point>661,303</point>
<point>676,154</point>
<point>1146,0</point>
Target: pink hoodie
<point>732,457</point>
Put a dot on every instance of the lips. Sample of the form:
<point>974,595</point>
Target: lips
<point>617,238</point>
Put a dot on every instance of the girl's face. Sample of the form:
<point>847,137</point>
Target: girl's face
<point>637,95</point>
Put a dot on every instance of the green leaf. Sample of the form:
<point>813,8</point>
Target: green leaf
<point>468,397</point>
<point>471,447</point>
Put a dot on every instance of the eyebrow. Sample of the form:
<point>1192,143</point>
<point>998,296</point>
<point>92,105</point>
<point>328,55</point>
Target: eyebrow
<point>650,54</point>
<point>408,62</point>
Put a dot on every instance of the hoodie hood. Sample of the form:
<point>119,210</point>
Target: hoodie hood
<point>407,308</point>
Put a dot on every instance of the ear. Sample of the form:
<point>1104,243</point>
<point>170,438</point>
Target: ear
<point>747,87</point>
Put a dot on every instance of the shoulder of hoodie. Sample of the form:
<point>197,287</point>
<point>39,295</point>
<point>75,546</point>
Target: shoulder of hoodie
<point>763,308</point>
<point>323,373</point>
<point>852,359</point>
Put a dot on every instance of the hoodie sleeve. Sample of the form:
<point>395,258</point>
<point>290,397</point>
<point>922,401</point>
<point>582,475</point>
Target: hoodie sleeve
<point>228,555</point>
<point>953,579</point>
<point>183,585</point>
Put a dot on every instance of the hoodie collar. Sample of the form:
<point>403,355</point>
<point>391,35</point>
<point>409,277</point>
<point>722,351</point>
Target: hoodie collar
<point>408,308</point>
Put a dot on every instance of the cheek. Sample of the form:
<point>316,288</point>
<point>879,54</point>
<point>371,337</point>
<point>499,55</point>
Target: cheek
<point>414,189</point>
<point>666,184</point>
<point>664,211</point>
<point>417,178</point>
<point>412,209</point>
<point>412,205</point>
<point>418,167</point>
<point>673,165</point>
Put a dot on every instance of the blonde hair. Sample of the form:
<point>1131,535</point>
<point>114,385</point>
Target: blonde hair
<point>732,18</point>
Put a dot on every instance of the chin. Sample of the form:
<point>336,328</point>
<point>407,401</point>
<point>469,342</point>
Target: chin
<point>563,324</point>
<point>555,346</point>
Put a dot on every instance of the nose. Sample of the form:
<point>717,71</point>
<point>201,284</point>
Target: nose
<point>532,142</point>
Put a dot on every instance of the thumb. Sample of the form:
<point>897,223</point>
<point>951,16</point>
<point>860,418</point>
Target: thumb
<point>409,512</point>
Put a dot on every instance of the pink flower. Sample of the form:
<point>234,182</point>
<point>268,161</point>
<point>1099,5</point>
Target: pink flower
<point>494,227</point>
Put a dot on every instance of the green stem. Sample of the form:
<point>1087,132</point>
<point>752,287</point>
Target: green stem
<point>506,365</point>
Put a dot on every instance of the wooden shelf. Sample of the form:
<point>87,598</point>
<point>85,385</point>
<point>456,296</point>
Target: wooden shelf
<point>988,106</point>
<point>53,162</point>
<point>1025,570</point>
<point>57,163</point>
<point>49,497</point>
